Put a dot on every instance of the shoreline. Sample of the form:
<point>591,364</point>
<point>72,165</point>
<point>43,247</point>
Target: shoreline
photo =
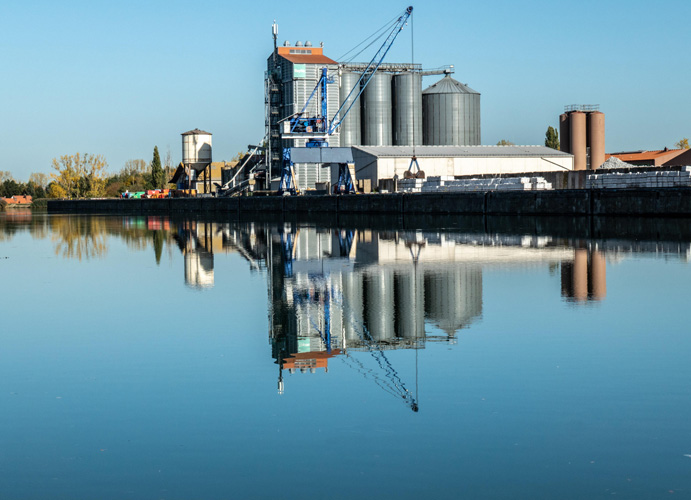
<point>658,202</point>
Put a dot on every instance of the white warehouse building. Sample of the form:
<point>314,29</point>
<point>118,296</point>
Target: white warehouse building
<point>379,163</point>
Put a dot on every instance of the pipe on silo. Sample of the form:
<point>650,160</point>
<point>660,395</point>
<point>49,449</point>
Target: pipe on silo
<point>577,126</point>
<point>564,133</point>
<point>596,138</point>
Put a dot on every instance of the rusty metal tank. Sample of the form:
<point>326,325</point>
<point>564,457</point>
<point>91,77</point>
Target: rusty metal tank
<point>596,138</point>
<point>578,139</point>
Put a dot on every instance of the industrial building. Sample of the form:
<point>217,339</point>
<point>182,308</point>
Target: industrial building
<point>393,110</point>
<point>380,163</point>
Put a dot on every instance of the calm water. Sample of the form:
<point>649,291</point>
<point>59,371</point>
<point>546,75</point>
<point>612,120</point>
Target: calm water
<point>149,357</point>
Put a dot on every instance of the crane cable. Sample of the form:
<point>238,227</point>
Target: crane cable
<point>376,34</point>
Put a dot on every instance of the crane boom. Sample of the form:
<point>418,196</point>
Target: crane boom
<point>370,70</point>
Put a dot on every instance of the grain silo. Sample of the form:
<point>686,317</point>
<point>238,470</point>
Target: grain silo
<point>376,111</point>
<point>407,111</point>
<point>450,114</point>
<point>196,155</point>
<point>596,138</point>
<point>351,126</point>
<point>578,139</point>
<point>582,131</point>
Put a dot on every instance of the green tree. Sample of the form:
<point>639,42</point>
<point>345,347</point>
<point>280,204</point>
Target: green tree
<point>504,142</point>
<point>157,175</point>
<point>683,144</point>
<point>552,138</point>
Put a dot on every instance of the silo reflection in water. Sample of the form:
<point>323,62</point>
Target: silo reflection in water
<point>380,303</point>
<point>353,307</point>
<point>410,304</point>
<point>453,297</point>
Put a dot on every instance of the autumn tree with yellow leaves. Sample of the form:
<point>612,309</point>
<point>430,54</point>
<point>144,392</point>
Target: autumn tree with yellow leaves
<point>78,176</point>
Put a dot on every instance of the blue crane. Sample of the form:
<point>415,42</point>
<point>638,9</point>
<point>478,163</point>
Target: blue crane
<point>317,129</point>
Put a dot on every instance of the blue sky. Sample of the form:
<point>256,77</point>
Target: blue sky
<point>117,78</point>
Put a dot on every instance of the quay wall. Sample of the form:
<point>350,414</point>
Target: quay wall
<point>572,202</point>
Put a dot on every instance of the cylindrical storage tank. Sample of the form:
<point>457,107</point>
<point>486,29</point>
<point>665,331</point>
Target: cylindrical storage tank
<point>196,148</point>
<point>578,140</point>
<point>350,130</point>
<point>376,111</point>
<point>450,114</point>
<point>407,110</point>
<point>596,138</point>
<point>379,312</point>
<point>564,133</point>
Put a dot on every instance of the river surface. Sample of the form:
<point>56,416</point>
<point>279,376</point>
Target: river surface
<point>156,357</point>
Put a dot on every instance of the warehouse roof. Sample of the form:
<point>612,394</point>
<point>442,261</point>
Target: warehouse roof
<point>459,151</point>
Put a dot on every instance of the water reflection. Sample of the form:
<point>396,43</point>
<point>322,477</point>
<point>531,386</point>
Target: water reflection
<point>336,291</point>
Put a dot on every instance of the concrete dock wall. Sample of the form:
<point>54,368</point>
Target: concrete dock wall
<point>571,202</point>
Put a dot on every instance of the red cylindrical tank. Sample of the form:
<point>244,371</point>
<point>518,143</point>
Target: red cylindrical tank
<point>578,140</point>
<point>564,133</point>
<point>596,133</point>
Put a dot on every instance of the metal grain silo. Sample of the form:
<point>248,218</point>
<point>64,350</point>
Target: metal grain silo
<point>596,138</point>
<point>450,114</point>
<point>577,124</point>
<point>376,111</point>
<point>350,127</point>
<point>196,149</point>
<point>407,110</point>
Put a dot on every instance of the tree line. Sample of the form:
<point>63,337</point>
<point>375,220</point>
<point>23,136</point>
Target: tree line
<point>86,176</point>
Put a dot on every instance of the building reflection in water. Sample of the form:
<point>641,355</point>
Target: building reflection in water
<point>333,292</point>
<point>584,277</point>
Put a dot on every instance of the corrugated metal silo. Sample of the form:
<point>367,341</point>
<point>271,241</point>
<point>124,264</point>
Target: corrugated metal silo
<point>450,114</point>
<point>596,138</point>
<point>407,110</point>
<point>376,111</point>
<point>351,126</point>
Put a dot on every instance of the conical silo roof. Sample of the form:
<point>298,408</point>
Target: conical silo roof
<point>448,85</point>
